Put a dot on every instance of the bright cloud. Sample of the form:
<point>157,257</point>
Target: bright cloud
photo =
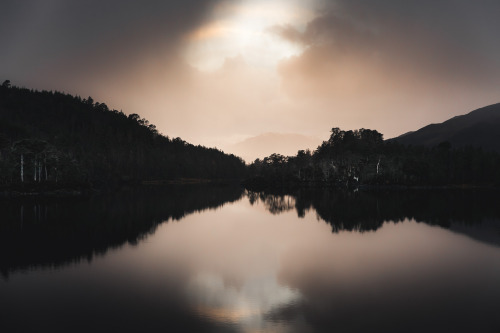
<point>243,29</point>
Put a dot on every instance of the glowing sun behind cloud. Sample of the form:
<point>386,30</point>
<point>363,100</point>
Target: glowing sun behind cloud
<point>242,29</point>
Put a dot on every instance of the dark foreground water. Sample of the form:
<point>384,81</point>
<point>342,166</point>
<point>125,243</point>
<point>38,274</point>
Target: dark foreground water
<point>218,259</point>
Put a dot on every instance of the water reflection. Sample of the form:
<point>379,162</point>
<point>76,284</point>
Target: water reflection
<point>269,263</point>
<point>38,232</point>
<point>474,213</point>
<point>404,277</point>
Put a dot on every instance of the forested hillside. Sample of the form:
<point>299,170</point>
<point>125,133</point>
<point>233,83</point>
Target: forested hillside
<point>51,137</point>
<point>362,157</point>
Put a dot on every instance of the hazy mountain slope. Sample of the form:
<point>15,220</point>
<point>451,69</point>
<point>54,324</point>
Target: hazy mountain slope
<point>479,128</point>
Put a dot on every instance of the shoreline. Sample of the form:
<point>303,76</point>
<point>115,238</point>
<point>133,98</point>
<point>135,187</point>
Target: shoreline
<point>263,186</point>
<point>85,190</point>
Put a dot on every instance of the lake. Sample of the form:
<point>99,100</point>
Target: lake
<point>222,259</point>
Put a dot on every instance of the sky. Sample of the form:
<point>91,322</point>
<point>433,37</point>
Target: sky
<point>260,73</point>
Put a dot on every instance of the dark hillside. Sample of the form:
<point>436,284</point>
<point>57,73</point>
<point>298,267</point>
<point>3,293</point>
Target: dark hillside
<point>54,137</point>
<point>479,128</point>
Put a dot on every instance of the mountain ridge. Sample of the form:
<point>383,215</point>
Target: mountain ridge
<point>478,128</point>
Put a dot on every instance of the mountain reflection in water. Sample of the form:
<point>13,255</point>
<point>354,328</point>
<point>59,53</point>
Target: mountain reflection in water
<point>235,261</point>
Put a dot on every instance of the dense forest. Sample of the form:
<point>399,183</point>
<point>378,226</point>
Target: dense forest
<point>55,138</point>
<point>362,158</point>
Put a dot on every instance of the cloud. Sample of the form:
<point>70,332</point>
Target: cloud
<point>130,56</point>
<point>429,39</point>
<point>408,62</point>
<point>288,33</point>
<point>389,65</point>
<point>66,41</point>
<point>209,31</point>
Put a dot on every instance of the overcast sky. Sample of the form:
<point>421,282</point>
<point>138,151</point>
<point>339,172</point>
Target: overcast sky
<point>219,72</point>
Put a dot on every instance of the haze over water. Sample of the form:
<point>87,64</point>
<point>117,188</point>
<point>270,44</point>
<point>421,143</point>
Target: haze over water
<point>250,262</point>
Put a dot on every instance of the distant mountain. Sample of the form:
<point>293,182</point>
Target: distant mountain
<point>479,128</point>
<point>266,144</point>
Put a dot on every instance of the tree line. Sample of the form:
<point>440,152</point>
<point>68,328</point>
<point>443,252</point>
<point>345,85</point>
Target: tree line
<point>362,158</point>
<point>56,138</point>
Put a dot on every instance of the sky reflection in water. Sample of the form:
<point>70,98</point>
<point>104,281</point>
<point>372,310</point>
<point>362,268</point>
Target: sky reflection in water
<point>240,268</point>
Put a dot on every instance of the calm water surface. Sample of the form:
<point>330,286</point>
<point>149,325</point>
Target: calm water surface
<point>218,259</point>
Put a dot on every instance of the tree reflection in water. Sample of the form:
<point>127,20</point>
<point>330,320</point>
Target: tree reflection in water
<point>406,276</point>
<point>39,232</point>
<point>367,211</point>
<point>242,268</point>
